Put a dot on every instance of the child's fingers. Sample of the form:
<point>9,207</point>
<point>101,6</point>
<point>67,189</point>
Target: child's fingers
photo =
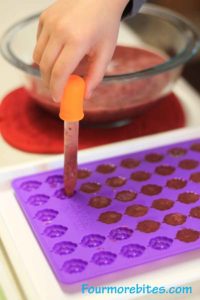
<point>40,46</point>
<point>67,61</point>
<point>98,67</point>
<point>49,57</point>
<point>39,30</point>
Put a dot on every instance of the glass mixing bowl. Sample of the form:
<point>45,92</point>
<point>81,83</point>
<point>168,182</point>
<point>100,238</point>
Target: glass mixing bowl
<point>151,50</point>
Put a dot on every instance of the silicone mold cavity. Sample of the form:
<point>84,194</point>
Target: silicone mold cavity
<point>104,258</point>
<point>38,200</point>
<point>74,266</point>
<point>92,240</point>
<point>132,250</point>
<point>55,231</point>
<point>46,215</point>
<point>64,248</point>
<point>31,185</point>
<point>121,233</point>
<point>54,180</point>
<point>160,243</point>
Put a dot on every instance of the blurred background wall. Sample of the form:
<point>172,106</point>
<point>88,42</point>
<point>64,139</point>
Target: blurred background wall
<point>191,10</point>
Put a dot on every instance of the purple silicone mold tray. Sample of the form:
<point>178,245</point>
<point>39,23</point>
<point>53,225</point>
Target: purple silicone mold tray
<point>126,211</point>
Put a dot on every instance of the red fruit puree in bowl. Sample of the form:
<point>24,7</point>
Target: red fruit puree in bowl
<point>116,100</point>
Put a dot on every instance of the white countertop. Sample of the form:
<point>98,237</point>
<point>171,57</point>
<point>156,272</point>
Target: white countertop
<point>32,269</point>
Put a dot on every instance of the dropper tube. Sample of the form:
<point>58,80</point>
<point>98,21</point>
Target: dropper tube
<point>71,112</point>
<point>71,133</point>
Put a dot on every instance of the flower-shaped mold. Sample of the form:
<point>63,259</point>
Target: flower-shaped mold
<point>104,258</point>
<point>130,163</point>
<point>38,199</point>
<point>178,151</point>
<point>74,266</point>
<point>165,170</point>
<point>116,181</point>
<point>195,177</point>
<point>106,168</point>
<point>162,204</point>
<point>110,217</point>
<point>92,240</point>
<point>46,215</point>
<point>99,201</point>
<point>176,183</point>
<point>154,157</point>
<point>30,186</point>
<point>83,173</point>
<point>126,196</point>
<point>151,189</point>
<point>195,147</point>
<point>140,176</point>
<point>188,164</point>
<point>121,233</point>
<point>188,197</point>
<point>55,180</point>
<point>55,231</point>
<point>136,210</point>
<point>90,187</point>
<point>160,243</point>
<point>60,194</point>
<point>64,248</point>
<point>187,235</point>
<point>148,226</point>
<point>195,212</point>
<point>132,250</point>
<point>175,219</point>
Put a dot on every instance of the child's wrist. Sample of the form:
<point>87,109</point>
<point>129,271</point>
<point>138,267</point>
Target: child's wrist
<point>122,3</point>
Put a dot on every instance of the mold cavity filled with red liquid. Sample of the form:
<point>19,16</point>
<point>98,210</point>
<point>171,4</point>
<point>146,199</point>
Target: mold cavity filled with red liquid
<point>188,197</point>
<point>187,235</point>
<point>188,164</point>
<point>195,177</point>
<point>90,187</point>
<point>175,219</point>
<point>116,181</point>
<point>83,173</point>
<point>148,226</point>
<point>110,217</point>
<point>130,163</point>
<point>136,210</point>
<point>176,183</point>
<point>176,152</point>
<point>162,204</point>
<point>164,170</point>
<point>154,157</point>
<point>151,189</point>
<point>195,212</point>
<point>125,196</point>
<point>99,202</point>
<point>106,168</point>
<point>195,147</point>
<point>140,176</point>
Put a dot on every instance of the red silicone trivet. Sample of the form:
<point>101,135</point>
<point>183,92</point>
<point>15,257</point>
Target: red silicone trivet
<point>28,127</point>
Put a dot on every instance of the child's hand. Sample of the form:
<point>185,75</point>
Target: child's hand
<point>70,29</point>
